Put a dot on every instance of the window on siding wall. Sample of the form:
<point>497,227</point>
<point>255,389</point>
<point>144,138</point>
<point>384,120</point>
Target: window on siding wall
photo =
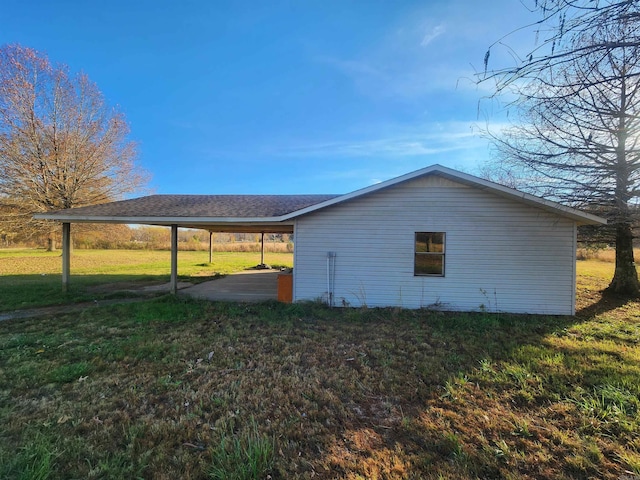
<point>429,254</point>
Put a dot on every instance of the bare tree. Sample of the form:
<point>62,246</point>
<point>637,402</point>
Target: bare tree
<point>577,98</point>
<point>61,146</point>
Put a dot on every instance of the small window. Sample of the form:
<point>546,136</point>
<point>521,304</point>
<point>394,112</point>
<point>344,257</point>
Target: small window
<point>429,254</point>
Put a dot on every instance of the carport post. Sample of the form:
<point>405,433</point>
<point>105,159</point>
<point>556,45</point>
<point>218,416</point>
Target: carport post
<point>173,285</point>
<point>210,247</point>
<point>66,255</point>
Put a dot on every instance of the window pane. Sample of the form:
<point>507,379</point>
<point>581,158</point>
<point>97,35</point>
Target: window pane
<point>429,264</point>
<point>432,242</point>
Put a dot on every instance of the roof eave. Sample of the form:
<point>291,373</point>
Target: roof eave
<point>154,220</point>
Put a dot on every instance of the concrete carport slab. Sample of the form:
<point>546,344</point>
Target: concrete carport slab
<point>246,286</point>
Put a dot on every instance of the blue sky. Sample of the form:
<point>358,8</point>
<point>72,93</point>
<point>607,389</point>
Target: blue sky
<point>280,97</point>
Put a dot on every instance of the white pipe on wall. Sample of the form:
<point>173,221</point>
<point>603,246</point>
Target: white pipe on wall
<point>331,267</point>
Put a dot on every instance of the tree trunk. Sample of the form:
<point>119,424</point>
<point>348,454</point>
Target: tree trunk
<point>625,279</point>
<point>51,244</point>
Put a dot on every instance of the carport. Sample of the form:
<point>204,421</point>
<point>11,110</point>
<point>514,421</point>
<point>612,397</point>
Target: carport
<point>214,213</point>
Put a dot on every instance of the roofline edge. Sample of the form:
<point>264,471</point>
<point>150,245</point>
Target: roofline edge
<point>155,220</point>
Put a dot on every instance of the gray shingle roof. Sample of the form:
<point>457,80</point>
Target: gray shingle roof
<point>275,210</point>
<point>211,206</point>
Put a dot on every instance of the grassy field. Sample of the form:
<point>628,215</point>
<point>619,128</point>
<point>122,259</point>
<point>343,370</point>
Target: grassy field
<point>170,388</point>
<point>31,277</point>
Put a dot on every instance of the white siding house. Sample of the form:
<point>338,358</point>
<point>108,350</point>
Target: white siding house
<point>434,238</point>
<point>500,254</point>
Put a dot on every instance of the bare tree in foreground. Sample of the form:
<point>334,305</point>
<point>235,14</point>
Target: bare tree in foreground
<point>61,146</point>
<point>577,95</point>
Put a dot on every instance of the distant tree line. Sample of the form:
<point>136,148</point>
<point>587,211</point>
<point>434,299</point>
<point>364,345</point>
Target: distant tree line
<point>105,236</point>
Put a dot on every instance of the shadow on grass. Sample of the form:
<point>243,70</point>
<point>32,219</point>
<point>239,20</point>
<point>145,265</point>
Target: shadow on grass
<point>488,395</point>
<point>605,302</point>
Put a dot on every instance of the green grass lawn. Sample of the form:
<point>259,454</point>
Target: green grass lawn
<point>173,388</point>
<point>31,277</point>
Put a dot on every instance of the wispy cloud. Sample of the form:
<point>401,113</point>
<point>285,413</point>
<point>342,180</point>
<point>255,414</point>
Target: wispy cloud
<point>432,34</point>
<point>410,80</point>
<point>404,63</point>
<point>356,69</point>
<point>368,154</point>
<point>398,64</point>
<point>428,141</point>
<point>437,142</point>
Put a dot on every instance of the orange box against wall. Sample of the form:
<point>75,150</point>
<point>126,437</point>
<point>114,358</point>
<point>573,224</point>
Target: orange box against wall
<point>285,287</point>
